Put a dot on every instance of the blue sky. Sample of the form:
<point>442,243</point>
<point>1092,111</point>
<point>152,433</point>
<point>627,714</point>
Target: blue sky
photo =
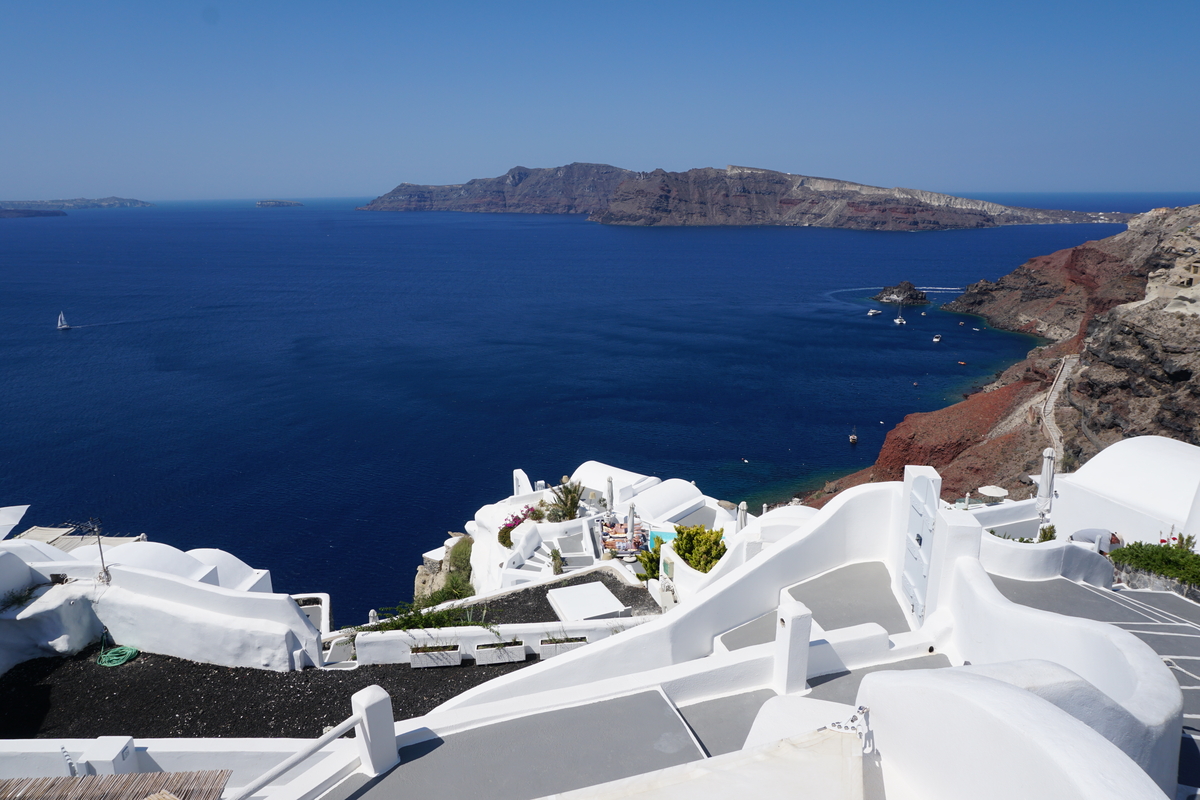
<point>209,100</point>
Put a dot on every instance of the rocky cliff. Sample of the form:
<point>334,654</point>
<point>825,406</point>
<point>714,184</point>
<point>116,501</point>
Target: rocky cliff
<point>79,202</point>
<point>749,196</point>
<point>1122,316</point>
<point>573,189</point>
<point>731,196</point>
<point>13,213</point>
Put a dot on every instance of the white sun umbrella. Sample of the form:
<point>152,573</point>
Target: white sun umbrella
<point>742,515</point>
<point>630,522</point>
<point>1045,495</point>
<point>611,495</point>
<point>993,491</point>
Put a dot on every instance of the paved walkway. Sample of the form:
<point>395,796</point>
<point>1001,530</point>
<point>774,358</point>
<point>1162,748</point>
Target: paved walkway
<point>541,754</point>
<point>1164,620</point>
<point>1049,422</point>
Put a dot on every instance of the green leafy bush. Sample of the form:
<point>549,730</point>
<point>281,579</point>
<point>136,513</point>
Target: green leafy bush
<point>1046,534</point>
<point>459,558</point>
<point>699,547</point>
<point>556,561</point>
<point>1162,559</point>
<point>649,559</point>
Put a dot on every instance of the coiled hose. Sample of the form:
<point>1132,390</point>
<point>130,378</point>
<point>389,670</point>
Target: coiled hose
<point>116,655</point>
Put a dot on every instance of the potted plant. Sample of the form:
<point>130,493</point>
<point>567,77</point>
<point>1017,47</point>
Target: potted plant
<point>556,646</point>
<point>500,652</point>
<point>435,655</point>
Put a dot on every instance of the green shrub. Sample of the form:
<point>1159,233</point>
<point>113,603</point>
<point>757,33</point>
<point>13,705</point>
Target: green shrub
<point>699,547</point>
<point>556,561</point>
<point>538,512</point>
<point>459,558</point>
<point>1046,534</point>
<point>1162,559</point>
<point>411,616</point>
<point>649,559</point>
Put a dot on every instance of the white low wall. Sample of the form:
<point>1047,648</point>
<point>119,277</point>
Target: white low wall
<point>853,527</point>
<point>247,758</point>
<point>1040,562</point>
<point>394,647</point>
<point>989,628</point>
<point>946,735</point>
<point>47,627</point>
<point>1014,520</point>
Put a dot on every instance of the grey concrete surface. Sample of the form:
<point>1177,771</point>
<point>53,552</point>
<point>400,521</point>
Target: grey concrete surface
<point>721,725</point>
<point>852,595</point>
<point>842,687</point>
<point>555,751</point>
<point>1064,597</point>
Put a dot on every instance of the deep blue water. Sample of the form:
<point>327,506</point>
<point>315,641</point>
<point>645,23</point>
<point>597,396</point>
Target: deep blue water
<point>326,392</point>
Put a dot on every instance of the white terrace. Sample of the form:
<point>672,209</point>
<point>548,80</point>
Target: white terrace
<point>860,651</point>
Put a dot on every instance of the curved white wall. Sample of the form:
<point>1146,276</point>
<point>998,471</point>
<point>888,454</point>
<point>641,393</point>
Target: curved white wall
<point>1039,562</point>
<point>947,734</point>
<point>853,527</point>
<point>989,628</point>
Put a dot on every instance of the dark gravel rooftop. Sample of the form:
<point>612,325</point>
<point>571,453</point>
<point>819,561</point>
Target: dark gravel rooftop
<point>160,696</point>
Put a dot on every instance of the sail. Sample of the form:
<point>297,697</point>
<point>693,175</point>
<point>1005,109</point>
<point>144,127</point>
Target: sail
<point>62,322</point>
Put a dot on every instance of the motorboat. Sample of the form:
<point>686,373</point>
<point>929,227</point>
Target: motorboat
<point>937,337</point>
<point>874,312</point>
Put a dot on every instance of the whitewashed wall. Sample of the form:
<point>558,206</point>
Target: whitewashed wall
<point>853,527</point>
<point>988,628</point>
<point>946,735</point>
<point>1039,562</point>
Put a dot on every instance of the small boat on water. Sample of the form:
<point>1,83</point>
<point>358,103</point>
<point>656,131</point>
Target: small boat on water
<point>937,337</point>
<point>854,435</point>
<point>874,312</point>
<point>62,322</point>
<point>900,320</point>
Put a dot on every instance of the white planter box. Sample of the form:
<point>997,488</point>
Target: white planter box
<point>437,658</point>
<point>552,649</point>
<point>508,654</point>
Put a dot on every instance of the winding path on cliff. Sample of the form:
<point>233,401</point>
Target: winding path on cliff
<point>1049,423</point>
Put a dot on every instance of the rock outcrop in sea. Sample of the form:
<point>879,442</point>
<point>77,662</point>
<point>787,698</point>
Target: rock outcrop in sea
<point>1122,316</point>
<point>278,204</point>
<point>730,196</point>
<point>903,292</point>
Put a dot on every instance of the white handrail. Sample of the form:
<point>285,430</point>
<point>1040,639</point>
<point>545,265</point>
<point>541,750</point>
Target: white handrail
<point>271,775</point>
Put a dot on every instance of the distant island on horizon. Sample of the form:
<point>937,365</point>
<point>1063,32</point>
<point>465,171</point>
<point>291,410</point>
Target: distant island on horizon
<point>734,196</point>
<point>70,205</point>
<point>278,204</point>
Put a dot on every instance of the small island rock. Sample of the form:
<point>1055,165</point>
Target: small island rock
<point>904,292</point>
<point>277,204</point>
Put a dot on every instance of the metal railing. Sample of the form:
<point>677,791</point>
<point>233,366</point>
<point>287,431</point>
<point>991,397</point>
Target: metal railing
<point>264,779</point>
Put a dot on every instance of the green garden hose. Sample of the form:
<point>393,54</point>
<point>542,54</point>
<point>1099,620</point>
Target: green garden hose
<point>115,656</point>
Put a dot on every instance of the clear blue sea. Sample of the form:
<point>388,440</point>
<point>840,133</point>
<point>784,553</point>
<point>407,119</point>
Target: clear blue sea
<point>325,392</point>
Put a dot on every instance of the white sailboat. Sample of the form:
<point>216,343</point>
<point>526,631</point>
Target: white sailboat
<point>62,322</point>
